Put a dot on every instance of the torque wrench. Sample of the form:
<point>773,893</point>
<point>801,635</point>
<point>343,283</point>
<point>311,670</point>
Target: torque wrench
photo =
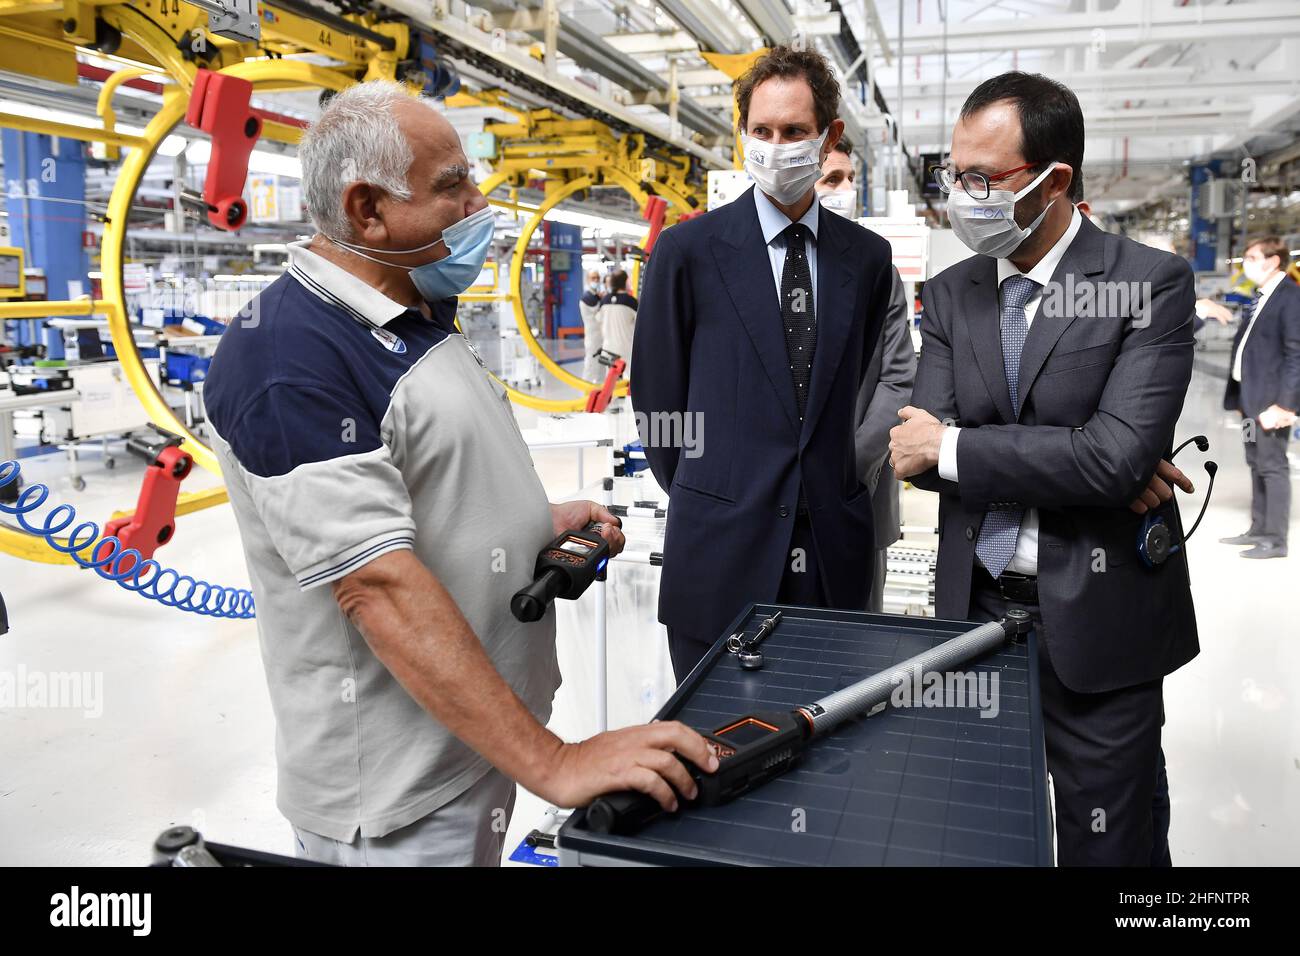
<point>754,748</point>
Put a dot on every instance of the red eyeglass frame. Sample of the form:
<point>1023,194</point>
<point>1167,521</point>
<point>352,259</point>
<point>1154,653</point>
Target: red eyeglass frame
<point>996,177</point>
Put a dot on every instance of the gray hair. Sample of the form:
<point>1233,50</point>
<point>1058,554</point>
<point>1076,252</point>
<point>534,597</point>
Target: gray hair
<point>356,139</point>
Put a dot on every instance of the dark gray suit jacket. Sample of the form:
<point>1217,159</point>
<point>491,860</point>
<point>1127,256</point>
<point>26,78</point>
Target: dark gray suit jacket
<point>1102,387</point>
<point>886,388</point>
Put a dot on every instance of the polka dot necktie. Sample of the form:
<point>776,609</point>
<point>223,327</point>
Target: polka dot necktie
<point>1001,528</point>
<point>798,317</point>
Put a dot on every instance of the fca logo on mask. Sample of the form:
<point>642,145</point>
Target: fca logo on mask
<point>988,212</point>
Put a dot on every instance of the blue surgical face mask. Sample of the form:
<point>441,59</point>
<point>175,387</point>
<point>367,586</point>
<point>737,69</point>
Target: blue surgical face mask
<point>467,248</point>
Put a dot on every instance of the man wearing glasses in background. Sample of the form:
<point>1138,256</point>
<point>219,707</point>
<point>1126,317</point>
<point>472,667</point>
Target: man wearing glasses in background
<point>1041,419</point>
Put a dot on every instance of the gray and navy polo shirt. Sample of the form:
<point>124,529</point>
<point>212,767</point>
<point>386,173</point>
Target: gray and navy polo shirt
<point>349,426</point>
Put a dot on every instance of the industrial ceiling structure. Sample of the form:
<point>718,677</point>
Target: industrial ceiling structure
<point>1164,83</point>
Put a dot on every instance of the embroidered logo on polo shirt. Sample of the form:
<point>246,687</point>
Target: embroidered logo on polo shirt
<point>474,352</point>
<point>389,341</point>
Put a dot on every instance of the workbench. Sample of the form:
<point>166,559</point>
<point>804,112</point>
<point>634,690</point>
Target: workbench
<point>917,785</point>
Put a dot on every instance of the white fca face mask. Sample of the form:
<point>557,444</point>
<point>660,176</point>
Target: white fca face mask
<point>841,201</point>
<point>988,226</point>
<point>1256,272</point>
<point>784,171</point>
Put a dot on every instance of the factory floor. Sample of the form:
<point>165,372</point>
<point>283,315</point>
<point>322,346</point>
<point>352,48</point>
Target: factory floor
<point>182,732</point>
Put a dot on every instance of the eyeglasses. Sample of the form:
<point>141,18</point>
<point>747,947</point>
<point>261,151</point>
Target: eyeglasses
<point>975,185</point>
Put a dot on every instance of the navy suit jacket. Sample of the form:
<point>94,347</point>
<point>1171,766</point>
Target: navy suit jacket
<point>1102,384</point>
<point>1270,366</point>
<point>710,345</point>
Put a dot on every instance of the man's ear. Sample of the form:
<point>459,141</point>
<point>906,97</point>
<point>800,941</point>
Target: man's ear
<point>1059,180</point>
<point>833,133</point>
<point>361,209</point>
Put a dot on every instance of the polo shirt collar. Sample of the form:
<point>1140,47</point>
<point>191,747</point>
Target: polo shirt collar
<point>339,287</point>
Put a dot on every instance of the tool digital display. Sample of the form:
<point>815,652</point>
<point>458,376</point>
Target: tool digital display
<point>747,731</point>
<point>577,546</point>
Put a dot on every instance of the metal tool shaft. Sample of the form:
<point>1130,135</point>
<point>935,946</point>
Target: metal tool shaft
<point>858,698</point>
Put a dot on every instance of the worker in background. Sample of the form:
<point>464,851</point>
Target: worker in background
<point>388,511</point>
<point>837,188</point>
<point>591,334</point>
<point>1264,388</point>
<point>1044,437</point>
<point>617,318</point>
<point>886,387</point>
<point>758,321</point>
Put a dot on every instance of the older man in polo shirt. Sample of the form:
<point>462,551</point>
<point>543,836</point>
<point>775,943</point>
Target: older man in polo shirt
<point>388,510</point>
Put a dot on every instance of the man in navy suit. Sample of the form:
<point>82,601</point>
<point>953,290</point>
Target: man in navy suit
<point>757,323</point>
<point>1264,386</point>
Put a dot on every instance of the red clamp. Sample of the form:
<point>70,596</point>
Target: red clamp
<point>598,399</point>
<point>219,105</point>
<point>154,520</point>
<point>655,210</point>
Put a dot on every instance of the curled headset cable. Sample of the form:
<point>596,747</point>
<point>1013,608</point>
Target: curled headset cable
<point>1212,467</point>
<point>111,560</point>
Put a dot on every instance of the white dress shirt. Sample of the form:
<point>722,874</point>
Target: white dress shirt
<point>1264,292</point>
<point>1025,560</point>
<point>774,222</point>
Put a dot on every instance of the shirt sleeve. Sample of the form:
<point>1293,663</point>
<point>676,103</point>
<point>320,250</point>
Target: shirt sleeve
<point>322,480</point>
<point>948,453</point>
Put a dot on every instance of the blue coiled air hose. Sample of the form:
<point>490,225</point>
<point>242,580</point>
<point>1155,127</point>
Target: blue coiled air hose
<point>145,577</point>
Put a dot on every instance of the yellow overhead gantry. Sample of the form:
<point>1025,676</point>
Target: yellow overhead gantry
<point>152,30</point>
<point>571,156</point>
<point>151,37</point>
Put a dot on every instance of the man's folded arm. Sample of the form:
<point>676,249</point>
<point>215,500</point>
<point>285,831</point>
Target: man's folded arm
<point>1108,460</point>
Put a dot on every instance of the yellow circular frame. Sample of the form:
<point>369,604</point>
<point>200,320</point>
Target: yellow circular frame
<point>297,73</point>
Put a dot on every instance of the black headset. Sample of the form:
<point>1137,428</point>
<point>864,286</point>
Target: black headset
<point>1157,536</point>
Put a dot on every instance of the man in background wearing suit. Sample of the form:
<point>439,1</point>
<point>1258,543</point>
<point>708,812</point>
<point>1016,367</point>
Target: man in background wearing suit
<point>757,323</point>
<point>886,387</point>
<point>1053,369</point>
<point>1264,386</point>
